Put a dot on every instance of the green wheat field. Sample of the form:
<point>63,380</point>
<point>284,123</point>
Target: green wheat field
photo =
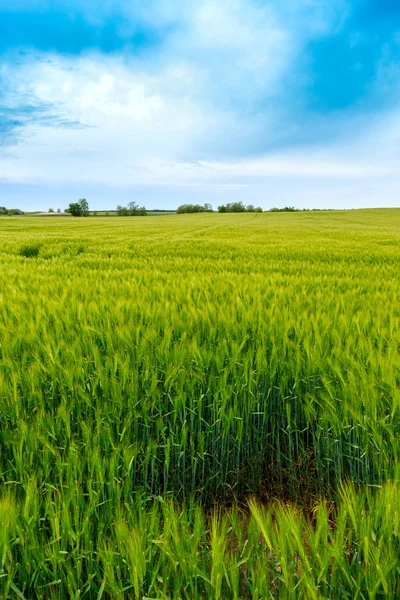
<point>200,406</point>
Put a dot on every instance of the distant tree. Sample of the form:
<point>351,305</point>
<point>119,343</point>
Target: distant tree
<point>193,208</point>
<point>74,209</point>
<point>238,207</point>
<point>132,210</point>
<point>10,211</point>
<point>135,210</point>
<point>78,209</point>
<point>14,211</point>
<point>95,213</point>
<point>58,210</point>
<point>51,210</point>
<point>286,209</point>
<point>122,211</point>
<point>84,207</point>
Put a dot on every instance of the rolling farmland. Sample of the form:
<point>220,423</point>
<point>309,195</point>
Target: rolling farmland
<point>200,406</point>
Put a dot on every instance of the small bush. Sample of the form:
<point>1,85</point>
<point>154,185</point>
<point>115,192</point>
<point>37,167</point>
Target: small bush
<point>29,251</point>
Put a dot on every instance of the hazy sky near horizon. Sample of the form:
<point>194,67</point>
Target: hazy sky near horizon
<point>164,102</point>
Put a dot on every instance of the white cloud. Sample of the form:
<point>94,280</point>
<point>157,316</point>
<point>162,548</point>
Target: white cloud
<point>198,97</point>
<point>138,128</point>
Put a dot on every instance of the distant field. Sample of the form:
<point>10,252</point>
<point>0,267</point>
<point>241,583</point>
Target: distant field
<point>152,370</point>
<point>99,213</point>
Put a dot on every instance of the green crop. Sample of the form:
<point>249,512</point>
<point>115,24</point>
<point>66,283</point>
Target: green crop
<point>155,374</point>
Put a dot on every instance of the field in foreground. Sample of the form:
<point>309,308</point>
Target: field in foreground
<point>156,374</point>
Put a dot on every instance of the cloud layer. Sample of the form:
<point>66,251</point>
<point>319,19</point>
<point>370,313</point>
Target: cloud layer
<point>218,100</point>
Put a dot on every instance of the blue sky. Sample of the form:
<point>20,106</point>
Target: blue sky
<point>165,102</point>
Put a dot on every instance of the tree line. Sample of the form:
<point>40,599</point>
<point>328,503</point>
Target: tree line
<point>10,211</point>
<point>132,210</point>
<point>193,208</point>
<point>81,209</point>
<point>238,207</point>
<point>233,207</point>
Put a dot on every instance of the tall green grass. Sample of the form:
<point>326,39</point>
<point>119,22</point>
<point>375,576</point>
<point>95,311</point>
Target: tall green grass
<point>61,544</point>
<point>193,362</point>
